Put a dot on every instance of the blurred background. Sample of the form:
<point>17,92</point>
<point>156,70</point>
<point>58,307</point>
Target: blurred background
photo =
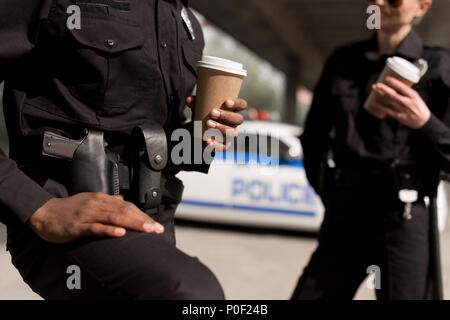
<point>284,43</point>
<point>259,230</point>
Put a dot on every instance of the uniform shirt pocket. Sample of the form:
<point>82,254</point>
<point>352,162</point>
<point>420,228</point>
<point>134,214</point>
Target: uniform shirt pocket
<point>103,64</point>
<point>345,94</point>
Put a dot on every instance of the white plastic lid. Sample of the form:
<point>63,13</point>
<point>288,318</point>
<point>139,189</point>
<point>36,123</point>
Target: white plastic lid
<point>405,69</point>
<point>222,65</point>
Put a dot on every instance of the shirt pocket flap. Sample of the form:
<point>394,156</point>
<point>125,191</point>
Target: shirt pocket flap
<point>344,87</point>
<point>109,36</point>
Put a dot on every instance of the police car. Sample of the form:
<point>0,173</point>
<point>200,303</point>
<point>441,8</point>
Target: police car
<point>262,186</point>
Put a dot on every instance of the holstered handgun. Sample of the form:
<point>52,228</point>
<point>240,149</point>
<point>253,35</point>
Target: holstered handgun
<point>149,158</point>
<point>92,169</point>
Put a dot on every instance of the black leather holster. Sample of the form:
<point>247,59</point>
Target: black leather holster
<point>93,168</point>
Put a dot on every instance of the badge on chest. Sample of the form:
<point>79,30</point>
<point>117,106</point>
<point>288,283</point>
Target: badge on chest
<point>187,21</point>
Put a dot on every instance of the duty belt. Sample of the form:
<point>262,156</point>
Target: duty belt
<point>93,168</point>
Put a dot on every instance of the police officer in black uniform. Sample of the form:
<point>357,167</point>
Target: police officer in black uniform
<point>376,218</point>
<point>119,76</point>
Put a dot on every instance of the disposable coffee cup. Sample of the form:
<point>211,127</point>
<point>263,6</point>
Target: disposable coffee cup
<point>400,69</point>
<point>218,80</point>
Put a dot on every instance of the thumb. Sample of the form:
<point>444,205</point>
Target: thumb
<point>190,101</point>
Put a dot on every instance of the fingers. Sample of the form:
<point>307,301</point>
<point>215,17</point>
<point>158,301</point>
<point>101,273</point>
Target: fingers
<point>400,87</point>
<point>391,96</point>
<point>101,230</point>
<point>226,131</point>
<point>219,147</point>
<point>390,112</point>
<point>116,212</point>
<point>229,118</point>
<point>128,220</point>
<point>232,104</point>
<point>127,217</point>
<point>190,101</point>
<point>226,120</point>
<point>235,104</point>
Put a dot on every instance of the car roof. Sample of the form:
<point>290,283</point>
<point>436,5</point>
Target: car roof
<point>287,133</point>
<point>271,127</point>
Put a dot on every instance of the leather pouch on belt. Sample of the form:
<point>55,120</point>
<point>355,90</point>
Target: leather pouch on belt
<point>149,159</point>
<point>406,175</point>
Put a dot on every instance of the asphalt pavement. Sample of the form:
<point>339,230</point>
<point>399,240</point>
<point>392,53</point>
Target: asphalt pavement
<point>250,264</point>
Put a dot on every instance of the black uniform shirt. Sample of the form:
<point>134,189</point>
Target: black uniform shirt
<point>363,142</point>
<point>132,61</point>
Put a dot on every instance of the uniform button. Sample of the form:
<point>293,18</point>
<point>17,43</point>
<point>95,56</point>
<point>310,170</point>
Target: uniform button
<point>110,43</point>
<point>163,44</point>
<point>158,159</point>
<point>154,194</point>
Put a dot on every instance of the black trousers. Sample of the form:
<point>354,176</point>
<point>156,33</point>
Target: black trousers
<point>136,266</point>
<point>363,228</point>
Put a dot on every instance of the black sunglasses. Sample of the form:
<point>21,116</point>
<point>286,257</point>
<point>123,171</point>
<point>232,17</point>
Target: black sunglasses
<point>392,3</point>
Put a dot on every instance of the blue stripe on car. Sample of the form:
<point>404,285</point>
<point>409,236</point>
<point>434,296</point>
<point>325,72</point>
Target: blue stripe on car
<point>247,208</point>
<point>246,158</point>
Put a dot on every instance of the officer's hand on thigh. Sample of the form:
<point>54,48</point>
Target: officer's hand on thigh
<point>63,220</point>
<point>225,119</point>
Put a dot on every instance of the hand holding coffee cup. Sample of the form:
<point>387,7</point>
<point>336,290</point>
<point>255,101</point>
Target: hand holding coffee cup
<point>217,103</point>
<point>397,68</point>
<point>402,103</point>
